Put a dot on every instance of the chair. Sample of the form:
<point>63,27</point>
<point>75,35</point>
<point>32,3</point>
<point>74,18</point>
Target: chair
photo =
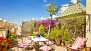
<point>78,44</point>
<point>25,44</point>
<point>48,42</point>
<point>37,46</point>
<point>45,48</point>
<point>18,33</point>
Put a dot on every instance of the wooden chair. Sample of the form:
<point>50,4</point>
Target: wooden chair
<point>78,44</point>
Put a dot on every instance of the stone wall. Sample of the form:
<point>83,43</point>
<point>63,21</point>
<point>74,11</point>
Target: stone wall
<point>28,26</point>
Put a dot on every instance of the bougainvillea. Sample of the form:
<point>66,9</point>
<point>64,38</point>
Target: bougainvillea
<point>46,24</point>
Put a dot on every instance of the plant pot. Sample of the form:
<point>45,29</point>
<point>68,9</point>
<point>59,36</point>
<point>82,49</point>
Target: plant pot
<point>4,49</point>
<point>1,48</point>
<point>12,42</point>
<point>57,40</point>
<point>62,44</point>
<point>66,43</point>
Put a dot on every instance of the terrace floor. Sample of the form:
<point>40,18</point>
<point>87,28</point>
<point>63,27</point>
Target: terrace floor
<point>14,48</point>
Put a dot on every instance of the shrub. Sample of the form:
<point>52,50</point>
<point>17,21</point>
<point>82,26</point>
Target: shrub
<point>66,36</point>
<point>55,33</point>
<point>11,36</point>
<point>41,30</point>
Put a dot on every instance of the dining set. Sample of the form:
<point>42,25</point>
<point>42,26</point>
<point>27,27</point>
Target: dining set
<point>39,43</point>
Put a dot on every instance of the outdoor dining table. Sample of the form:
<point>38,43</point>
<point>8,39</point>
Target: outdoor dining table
<point>38,39</point>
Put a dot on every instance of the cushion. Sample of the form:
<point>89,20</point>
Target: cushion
<point>45,48</point>
<point>23,45</point>
<point>49,42</point>
<point>28,41</point>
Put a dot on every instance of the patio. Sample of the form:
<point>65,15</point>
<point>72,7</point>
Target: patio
<point>14,48</point>
<point>62,26</point>
<point>57,48</point>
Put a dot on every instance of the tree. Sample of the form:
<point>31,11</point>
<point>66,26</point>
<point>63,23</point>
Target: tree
<point>52,9</point>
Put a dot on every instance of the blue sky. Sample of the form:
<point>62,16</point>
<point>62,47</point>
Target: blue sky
<point>20,10</point>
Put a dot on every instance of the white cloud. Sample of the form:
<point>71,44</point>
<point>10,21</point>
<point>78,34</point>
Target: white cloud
<point>34,19</point>
<point>42,18</point>
<point>63,8</point>
<point>46,5</point>
<point>65,5</point>
<point>0,18</point>
<point>74,1</point>
<point>53,17</point>
<point>15,22</point>
<point>25,20</point>
<point>45,0</point>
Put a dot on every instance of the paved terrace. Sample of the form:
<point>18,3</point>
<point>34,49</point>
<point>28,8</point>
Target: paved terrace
<point>14,48</point>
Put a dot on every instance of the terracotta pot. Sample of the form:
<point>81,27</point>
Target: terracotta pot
<point>67,44</point>
<point>1,48</point>
<point>4,49</point>
<point>62,44</point>
<point>57,40</point>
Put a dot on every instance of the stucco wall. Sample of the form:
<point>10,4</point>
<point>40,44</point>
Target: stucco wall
<point>11,30</point>
<point>3,33</point>
<point>88,20</point>
<point>88,31</point>
<point>88,6</point>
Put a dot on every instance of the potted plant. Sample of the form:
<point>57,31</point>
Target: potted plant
<point>70,43</point>
<point>66,37</point>
<point>4,43</point>
<point>55,34</point>
<point>11,37</point>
